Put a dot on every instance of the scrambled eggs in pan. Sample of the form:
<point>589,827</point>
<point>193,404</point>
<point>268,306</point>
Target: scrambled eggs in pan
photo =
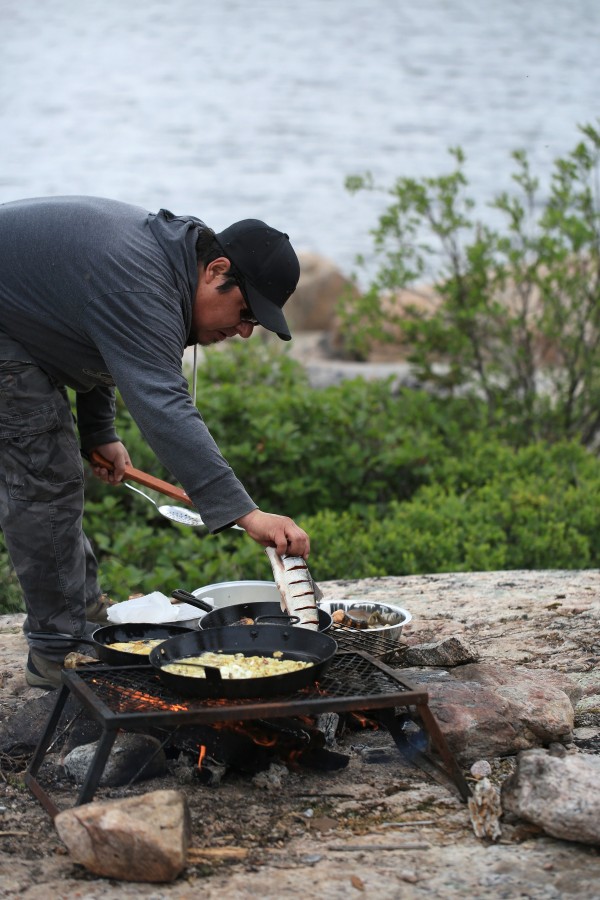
<point>235,665</point>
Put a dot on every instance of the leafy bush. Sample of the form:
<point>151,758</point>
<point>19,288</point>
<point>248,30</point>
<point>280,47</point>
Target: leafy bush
<point>518,315</point>
<point>540,511</point>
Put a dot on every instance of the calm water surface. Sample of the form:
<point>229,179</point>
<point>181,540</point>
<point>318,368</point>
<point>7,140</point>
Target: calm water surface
<point>260,108</point>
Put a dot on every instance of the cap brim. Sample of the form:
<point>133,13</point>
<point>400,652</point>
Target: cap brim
<point>268,313</point>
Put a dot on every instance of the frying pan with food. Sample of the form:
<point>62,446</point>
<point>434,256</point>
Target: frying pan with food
<point>267,612</point>
<point>232,615</point>
<point>249,640</point>
<point>103,637</point>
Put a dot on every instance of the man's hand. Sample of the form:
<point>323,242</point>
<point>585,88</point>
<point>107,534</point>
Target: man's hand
<point>280,532</point>
<point>115,453</point>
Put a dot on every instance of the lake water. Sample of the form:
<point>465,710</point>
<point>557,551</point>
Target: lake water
<point>261,108</point>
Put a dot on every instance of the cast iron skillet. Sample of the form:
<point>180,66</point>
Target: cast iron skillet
<point>230,615</point>
<point>251,640</point>
<point>263,610</point>
<point>103,637</point>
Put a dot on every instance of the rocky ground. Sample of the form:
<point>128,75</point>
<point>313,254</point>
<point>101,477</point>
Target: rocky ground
<point>388,830</point>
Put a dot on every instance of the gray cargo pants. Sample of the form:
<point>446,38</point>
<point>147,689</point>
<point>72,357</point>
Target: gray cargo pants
<point>41,506</point>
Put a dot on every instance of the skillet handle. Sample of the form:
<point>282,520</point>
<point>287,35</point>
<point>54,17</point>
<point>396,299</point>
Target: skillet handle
<point>286,619</point>
<point>187,597</point>
<point>149,481</point>
<point>58,635</point>
<point>212,673</point>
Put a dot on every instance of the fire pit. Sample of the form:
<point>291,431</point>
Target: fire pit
<point>132,698</point>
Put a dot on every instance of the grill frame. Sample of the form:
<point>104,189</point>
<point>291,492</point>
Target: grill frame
<point>387,691</point>
<point>96,686</point>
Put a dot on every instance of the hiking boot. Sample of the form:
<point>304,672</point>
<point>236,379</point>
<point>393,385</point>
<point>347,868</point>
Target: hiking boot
<point>96,611</point>
<point>43,672</point>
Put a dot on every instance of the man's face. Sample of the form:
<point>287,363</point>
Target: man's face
<point>217,316</point>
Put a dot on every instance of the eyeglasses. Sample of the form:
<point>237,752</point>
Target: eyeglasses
<point>246,316</point>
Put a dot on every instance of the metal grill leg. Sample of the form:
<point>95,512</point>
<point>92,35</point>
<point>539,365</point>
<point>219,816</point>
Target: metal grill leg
<point>439,742</point>
<point>96,769</point>
<point>40,752</point>
<point>433,734</point>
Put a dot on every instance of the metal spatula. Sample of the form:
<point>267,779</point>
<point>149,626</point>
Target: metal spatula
<point>174,513</point>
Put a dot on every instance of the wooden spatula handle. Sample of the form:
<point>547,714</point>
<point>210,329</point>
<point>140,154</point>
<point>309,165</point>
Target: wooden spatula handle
<point>149,481</point>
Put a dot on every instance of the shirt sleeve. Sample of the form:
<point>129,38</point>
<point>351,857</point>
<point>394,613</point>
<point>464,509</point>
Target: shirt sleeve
<point>141,338</point>
<point>96,417</point>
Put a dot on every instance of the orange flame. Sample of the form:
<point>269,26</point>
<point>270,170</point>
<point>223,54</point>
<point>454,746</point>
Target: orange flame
<point>140,700</point>
<point>201,755</point>
<point>364,722</point>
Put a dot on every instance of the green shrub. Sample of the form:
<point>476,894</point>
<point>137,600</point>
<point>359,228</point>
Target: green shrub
<point>518,318</point>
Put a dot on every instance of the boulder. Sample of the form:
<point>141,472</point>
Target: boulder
<point>451,651</point>
<point>422,300</point>
<point>137,839</point>
<point>134,757</point>
<point>320,287</point>
<point>557,793</point>
<point>487,710</point>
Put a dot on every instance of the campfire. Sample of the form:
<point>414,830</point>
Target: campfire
<point>246,734</point>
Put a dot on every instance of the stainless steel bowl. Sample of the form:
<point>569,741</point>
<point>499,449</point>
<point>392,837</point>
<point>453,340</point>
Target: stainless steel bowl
<point>388,632</point>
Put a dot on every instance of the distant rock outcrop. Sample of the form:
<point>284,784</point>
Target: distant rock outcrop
<point>320,287</point>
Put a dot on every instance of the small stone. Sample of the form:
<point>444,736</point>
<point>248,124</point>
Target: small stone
<point>481,769</point>
<point>271,779</point>
<point>556,749</point>
<point>485,810</point>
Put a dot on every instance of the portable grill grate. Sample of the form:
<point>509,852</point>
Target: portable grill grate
<point>136,693</point>
<point>132,698</point>
<point>386,649</point>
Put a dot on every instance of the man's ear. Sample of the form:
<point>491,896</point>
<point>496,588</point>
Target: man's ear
<point>216,269</point>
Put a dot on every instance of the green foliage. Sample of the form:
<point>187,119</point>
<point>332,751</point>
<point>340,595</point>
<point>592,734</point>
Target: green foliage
<point>518,318</point>
<point>493,509</point>
<point>302,450</point>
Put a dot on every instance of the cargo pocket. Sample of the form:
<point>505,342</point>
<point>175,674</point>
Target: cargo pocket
<point>40,459</point>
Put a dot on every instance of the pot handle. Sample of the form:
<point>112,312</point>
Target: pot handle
<point>187,597</point>
<point>58,635</point>
<point>287,620</point>
<point>212,673</point>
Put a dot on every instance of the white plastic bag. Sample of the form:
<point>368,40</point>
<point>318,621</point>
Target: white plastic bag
<point>155,608</point>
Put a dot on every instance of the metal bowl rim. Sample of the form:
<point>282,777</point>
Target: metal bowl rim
<point>331,605</point>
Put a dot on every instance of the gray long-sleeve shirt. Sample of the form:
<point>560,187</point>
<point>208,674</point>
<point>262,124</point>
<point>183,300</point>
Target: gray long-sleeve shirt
<point>99,294</point>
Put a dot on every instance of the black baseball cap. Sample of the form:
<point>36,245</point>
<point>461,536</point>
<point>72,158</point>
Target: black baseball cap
<point>269,267</point>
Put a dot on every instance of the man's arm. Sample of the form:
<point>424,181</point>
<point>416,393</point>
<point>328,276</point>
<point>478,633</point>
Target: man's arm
<point>96,417</point>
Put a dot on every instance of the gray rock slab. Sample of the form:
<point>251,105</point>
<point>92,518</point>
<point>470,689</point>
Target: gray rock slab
<point>560,794</point>
<point>134,757</point>
<point>452,651</point>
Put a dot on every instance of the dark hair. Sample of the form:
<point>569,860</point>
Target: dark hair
<point>207,250</point>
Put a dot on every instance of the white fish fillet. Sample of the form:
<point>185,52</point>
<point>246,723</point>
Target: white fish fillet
<point>299,593</point>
